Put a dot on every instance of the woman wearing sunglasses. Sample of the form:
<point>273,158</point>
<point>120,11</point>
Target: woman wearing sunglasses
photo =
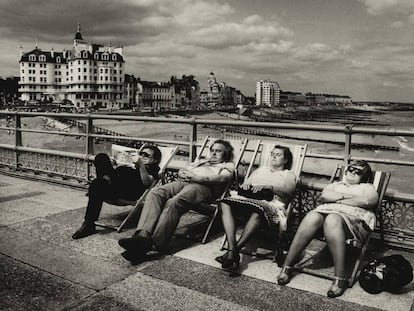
<point>346,213</point>
<point>123,182</point>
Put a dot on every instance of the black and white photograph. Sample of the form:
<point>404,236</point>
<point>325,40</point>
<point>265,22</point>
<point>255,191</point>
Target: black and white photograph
<point>207,155</point>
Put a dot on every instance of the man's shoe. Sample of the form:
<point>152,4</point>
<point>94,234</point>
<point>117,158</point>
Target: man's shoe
<point>85,230</point>
<point>136,243</point>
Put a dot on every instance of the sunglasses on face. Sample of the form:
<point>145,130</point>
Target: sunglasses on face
<point>145,154</point>
<point>355,170</point>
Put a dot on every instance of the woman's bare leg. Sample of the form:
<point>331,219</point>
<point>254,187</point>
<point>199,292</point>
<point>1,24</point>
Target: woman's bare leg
<point>229,225</point>
<point>306,231</point>
<point>251,227</point>
<point>334,231</point>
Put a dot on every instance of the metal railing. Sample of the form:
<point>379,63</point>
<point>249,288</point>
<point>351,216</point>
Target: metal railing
<point>20,158</point>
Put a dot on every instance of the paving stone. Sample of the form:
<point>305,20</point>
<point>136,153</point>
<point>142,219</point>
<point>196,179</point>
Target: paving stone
<point>150,293</point>
<point>102,303</point>
<point>72,265</point>
<point>246,291</point>
<point>23,287</point>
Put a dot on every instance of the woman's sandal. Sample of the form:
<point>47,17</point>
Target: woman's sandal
<point>338,287</point>
<point>285,275</point>
<point>232,263</point>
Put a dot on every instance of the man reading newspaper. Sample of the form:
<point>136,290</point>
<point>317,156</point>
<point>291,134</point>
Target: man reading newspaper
<point>128,181</point>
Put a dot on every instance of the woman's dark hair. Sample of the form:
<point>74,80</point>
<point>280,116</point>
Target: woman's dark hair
<point>157,153</point>
<point>287,154</point>
<point>228,149</point>
<point>366,175</point>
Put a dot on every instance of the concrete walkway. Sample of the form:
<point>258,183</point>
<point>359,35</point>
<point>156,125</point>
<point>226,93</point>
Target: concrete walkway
<point>42,268</point>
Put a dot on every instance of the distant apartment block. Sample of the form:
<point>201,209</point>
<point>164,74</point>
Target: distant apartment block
<point>267,93</point>
<point>87,75</point>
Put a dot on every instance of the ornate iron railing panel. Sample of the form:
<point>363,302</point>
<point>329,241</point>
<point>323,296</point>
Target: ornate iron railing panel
<point>51,165</point>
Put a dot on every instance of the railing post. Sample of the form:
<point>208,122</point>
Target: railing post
<point>348,143</point>
<point>89,143</point>
<point>17,138</point>
<point>193,142</point>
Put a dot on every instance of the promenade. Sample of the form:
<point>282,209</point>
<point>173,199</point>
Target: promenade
<point>42,268</point>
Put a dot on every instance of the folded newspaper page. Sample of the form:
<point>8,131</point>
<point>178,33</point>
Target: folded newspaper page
<point>124,155</point>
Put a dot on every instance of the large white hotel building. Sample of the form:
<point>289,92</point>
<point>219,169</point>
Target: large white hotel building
<point>267,93</point>
<point>88,75</point>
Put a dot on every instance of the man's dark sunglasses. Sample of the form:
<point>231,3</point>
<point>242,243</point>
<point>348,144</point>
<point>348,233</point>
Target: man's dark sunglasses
<point>145,154</point>
<point>356,170</point>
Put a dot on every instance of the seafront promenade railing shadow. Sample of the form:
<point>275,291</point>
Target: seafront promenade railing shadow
<point>67,160</point>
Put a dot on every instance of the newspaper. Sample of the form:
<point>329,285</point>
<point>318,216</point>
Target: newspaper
<point>124,155</point>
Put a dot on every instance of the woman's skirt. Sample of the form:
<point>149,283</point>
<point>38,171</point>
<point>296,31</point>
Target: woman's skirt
<point>274,211</point>
<point>355,218</point>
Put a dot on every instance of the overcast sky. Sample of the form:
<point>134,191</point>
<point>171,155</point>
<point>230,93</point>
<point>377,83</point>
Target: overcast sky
<point>360,48</point>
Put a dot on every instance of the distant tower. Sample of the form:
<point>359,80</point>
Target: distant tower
<point>78,37</point>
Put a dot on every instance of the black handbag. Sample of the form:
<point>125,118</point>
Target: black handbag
<point>389,273</point>
<point>264,194</point>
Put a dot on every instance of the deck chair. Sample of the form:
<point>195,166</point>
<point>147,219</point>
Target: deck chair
<point>167,153</point>
<point>211,209</point>
<point>380,182</point>
<point>261,157</point>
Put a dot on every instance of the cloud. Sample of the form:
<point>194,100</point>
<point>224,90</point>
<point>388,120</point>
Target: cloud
<point>397,25</point>
<point>390,84</point>
<point>379,7</point>
<point>252,29</point>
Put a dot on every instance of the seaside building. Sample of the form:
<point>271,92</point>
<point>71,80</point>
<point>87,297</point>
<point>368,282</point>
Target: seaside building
<point>267,93</point>
<point>156,96</point>
<point>187,92</point>
<point>90,76</point>
<point>130,91</point>
<point>327,99</point>
<point>220,94</point>
<point>288,98</point>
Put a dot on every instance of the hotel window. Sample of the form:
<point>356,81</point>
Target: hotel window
<point>85,62</point>
<point>113,56</point>
<point>32,57</point>
<point>105,56</point>
<point>85,54</point>
<point>58,59</point>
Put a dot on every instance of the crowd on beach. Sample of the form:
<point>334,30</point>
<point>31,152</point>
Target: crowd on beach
<point>347,209</point>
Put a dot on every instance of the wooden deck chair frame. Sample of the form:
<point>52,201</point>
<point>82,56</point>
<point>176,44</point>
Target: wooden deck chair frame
<point>167,153</point>
<point>298,154</point>
<point>211,209</point>
<point>380,182</point>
